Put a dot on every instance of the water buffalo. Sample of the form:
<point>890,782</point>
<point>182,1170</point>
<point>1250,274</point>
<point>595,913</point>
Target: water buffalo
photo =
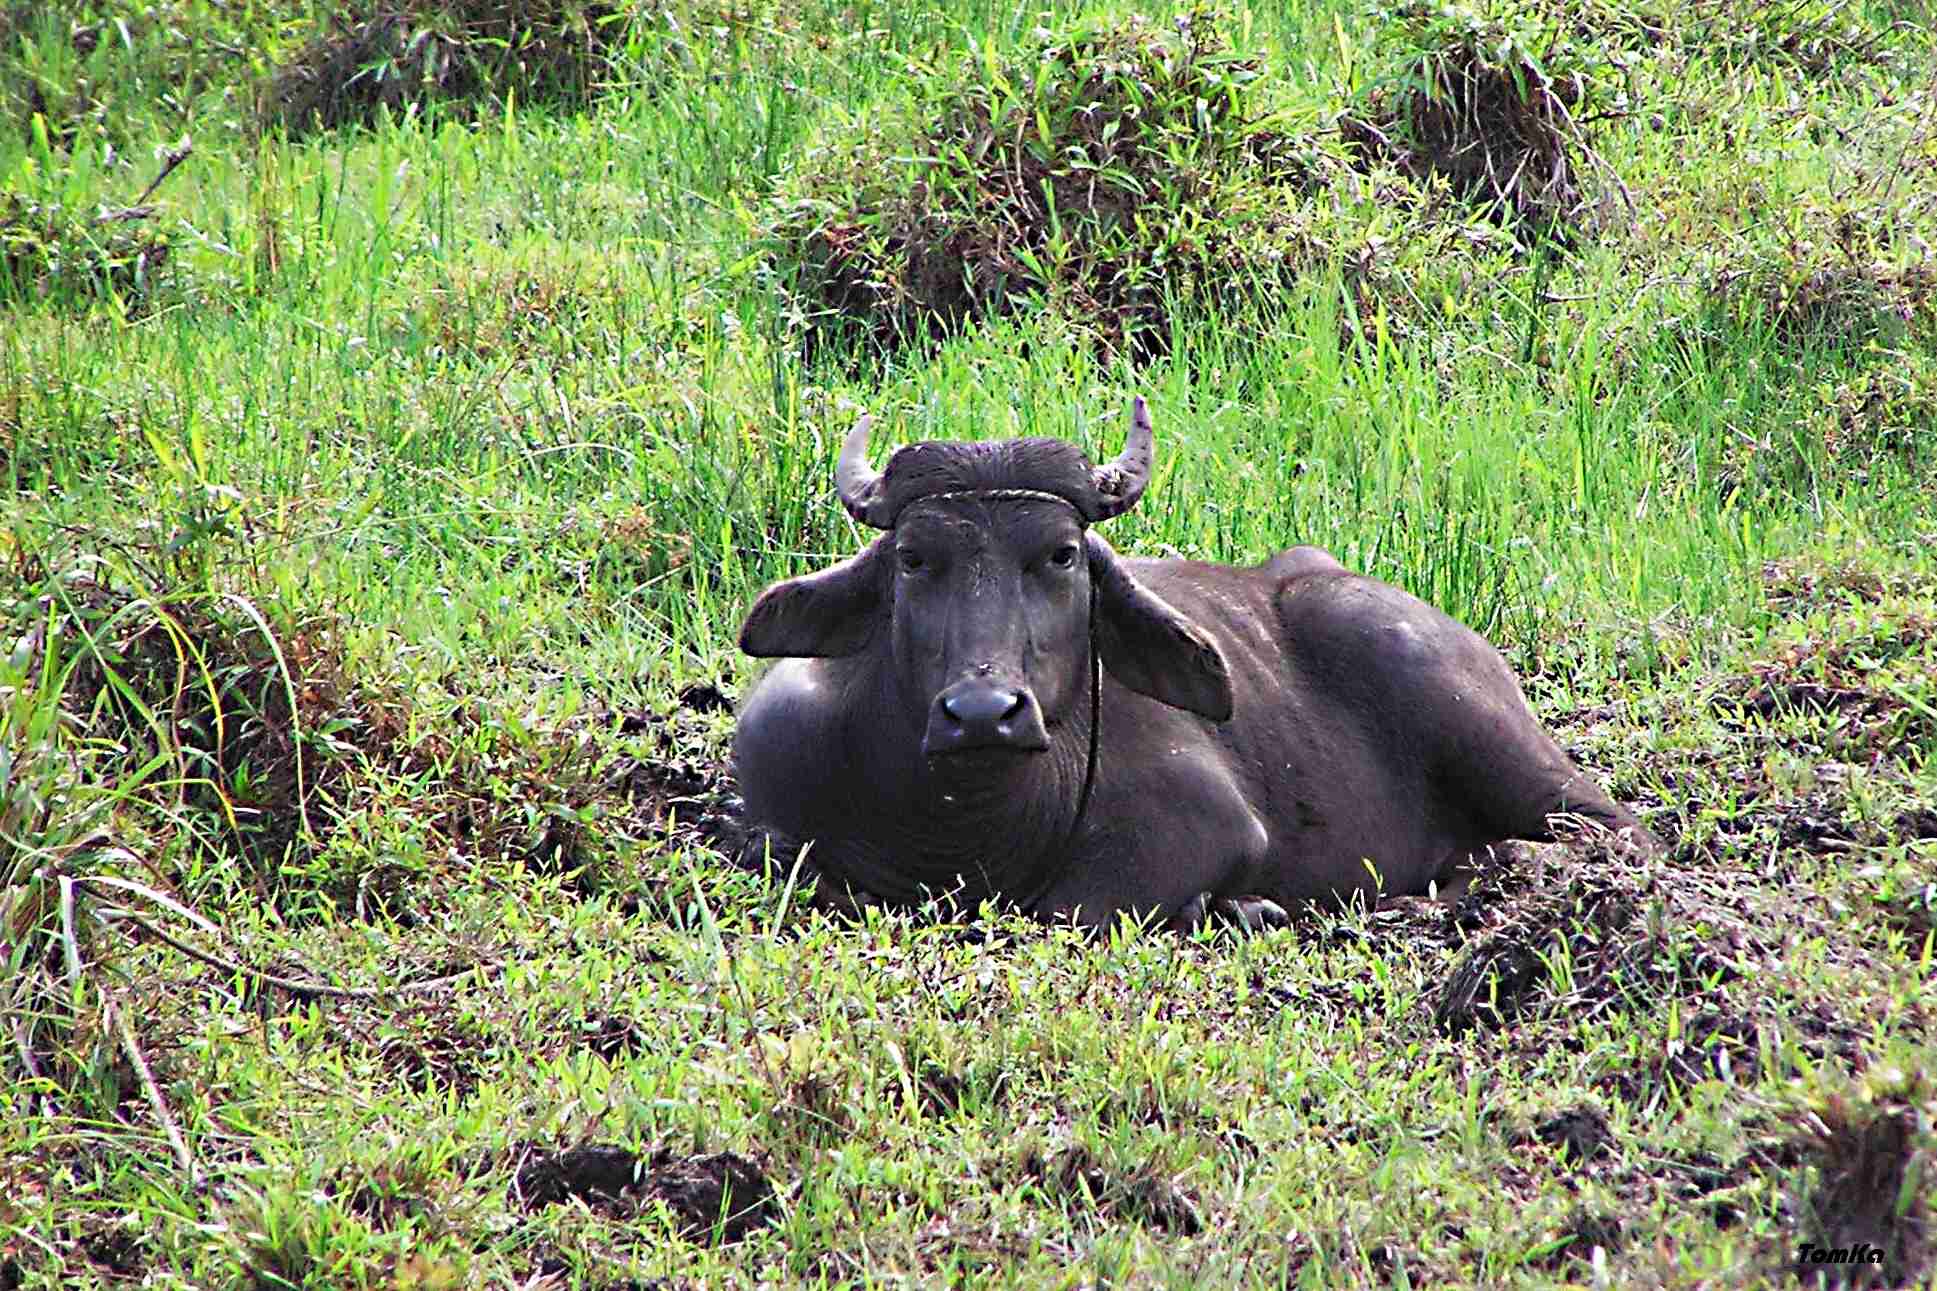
<point>989,701</point>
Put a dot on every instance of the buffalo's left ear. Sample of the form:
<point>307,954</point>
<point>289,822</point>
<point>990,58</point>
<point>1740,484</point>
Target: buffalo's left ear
<point>818,616</point>
<point>1150,647</point>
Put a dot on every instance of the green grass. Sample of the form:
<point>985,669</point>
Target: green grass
<point>353,568</point>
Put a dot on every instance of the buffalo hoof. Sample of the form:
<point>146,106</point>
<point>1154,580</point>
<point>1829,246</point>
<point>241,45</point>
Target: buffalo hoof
<point>766,853</point>
<point>1247,914</point>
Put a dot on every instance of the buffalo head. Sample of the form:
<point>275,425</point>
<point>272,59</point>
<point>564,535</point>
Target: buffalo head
<point>988,593</point>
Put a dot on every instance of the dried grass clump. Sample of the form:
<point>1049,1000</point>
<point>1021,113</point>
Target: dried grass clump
<point>1076,1177</point>
<point>1850,268</point>
<point>222,733</point>
<point>1818,38</point>
<point>457,52</point>
<point>1106,170</point>
<point>1888,411</point>
<point>1496,103</point>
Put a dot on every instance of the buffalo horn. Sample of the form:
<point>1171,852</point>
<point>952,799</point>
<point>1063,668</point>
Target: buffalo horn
<point>858,483</point>
<point>1120,483</point>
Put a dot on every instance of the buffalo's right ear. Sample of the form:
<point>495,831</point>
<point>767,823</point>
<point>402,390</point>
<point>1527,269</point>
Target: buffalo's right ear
<point>820,615</point>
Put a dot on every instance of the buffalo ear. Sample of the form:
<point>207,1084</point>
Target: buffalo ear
<point>820,615</point>
<point>1150,647</point>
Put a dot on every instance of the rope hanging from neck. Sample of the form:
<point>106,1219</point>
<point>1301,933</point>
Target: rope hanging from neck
<point>1096,725</point>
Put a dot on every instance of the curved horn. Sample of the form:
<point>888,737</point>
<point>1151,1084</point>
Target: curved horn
<point>858,483</point>
<point>1120,483</point>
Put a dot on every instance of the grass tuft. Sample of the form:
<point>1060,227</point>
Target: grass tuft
<point>1499,102</point>
<point>1104,170</point>
<point>468,56</point>
<point>1078,1178</point>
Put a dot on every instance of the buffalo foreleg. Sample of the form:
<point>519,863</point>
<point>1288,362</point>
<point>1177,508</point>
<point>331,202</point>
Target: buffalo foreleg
<point>1247,914</point>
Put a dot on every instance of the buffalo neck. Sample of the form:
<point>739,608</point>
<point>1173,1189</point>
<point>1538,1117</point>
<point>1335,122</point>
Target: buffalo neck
<point>978,825</point>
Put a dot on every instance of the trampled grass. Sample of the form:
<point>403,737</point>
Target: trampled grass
<point>372,570</point>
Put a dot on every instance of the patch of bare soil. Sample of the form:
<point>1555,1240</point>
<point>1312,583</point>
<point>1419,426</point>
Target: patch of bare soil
<point>1726,1192</point>
<point>1581,1133</point>
<point>940,1091</point>
<point>680,777</point>
<point>612,1037</point>
<point>1826,719</point>
<point>1585,1229</point>
<point>681,791</point>
<point>117,1251</point>
<point>718,1198</point>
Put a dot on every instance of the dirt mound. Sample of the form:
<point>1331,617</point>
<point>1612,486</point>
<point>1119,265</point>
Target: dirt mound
<point>717,1198</point>
<point>1576,929</point>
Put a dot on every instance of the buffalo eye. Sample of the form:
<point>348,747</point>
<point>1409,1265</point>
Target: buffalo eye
<point>912,561</point>
<point>1063,557</point>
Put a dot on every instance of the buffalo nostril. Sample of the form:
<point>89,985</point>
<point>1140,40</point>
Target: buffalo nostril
<point>974,714</point>
<point>983,705</point>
